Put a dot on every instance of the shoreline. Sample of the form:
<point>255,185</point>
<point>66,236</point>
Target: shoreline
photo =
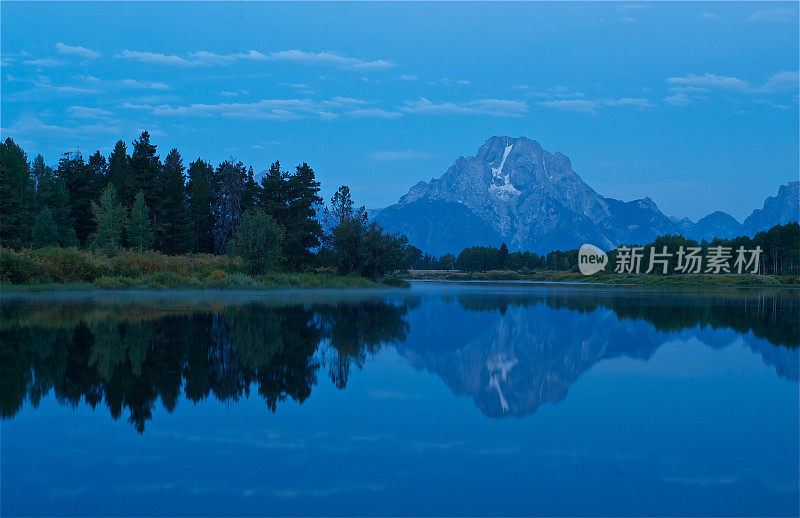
<point>605,279</point>
<point>334,283</point>
<point>276,282</point>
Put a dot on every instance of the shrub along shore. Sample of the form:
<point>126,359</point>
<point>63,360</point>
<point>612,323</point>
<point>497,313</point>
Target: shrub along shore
<point>71,269</point>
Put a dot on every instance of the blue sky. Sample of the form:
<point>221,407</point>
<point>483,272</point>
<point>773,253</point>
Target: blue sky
<point>692,104</point>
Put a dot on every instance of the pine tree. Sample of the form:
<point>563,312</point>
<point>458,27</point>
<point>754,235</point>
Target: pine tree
<point>201,196</point>
<point>173,231</point>
<point>40,173</point>
<point>120,173</point>
<point>145,165</point>
<point>303,230</point>
<point>251,191</point>
<point>273,195</point>
<point>230,178</point>
<point>139,230</point>
<point>44,231</point>
<point>110,220</point>
<point>503,256</point>
<point>16,195</point>
<point>98,173</point>
<point>81,187</point>
<point>52,195</point>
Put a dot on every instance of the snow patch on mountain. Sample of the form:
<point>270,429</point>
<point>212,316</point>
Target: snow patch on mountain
<point>506,189</point>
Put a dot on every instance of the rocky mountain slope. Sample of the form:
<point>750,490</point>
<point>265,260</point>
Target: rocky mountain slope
<point>514,191</point>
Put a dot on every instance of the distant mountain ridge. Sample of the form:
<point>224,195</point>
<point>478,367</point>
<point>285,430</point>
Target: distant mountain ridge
<point>514,191</point>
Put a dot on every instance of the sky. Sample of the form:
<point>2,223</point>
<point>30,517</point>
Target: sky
<point>692,104</point>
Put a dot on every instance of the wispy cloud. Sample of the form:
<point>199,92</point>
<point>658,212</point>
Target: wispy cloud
<point>34,127</point>
<point>450,82</point>
<point>591,106</point>
<point>374,113</point>
<point>82,52</point>
<point>492,107</point>
<point>229,93</point>
<point>44,84</point>
<point>397,156</point>
<point>710,81</point>
<point>153,58</point>
<point>407,77</point>
<point>86,112</point>
<point>210,58</point>
<point>331,58</point>
<point>782,81</point>
<point>135,83</point>
<point>679,99</point>
<point>44,62</point>
<point>265,109</point>
<point>783,14</point>
<point>572,105</point>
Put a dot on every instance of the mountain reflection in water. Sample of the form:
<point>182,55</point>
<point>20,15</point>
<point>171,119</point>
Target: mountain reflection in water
<point>510,348</point>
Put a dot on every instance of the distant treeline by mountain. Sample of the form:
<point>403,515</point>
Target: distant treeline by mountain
<point>780,254</point>
<point>140,201</point>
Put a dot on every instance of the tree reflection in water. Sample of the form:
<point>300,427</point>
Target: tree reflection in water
<point>130,356</point>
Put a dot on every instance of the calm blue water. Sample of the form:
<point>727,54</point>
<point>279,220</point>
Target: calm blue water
<point>443,399</point>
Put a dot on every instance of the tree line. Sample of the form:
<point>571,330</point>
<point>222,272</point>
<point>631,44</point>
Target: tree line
<point>138,201</point>
<point>780,254</point>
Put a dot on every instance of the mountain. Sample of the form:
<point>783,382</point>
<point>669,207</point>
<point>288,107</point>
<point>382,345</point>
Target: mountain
<point>515,192</point>
<point>717,224</point>
<point>683,224</point>
<point>778,210</point>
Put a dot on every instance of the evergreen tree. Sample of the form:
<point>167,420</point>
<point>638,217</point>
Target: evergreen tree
<point>341,209</point>
<point>201,196</point>
<point>230,179</point>
<point>98,173</point>
<point>45,232</point>
<point>173,231</point>
<point>16,195</point>
<point>139,230</point>
<point>503,256</point>
<point>145,165</point>
<point>40,173</point>
<point>250,195</point>
<point>447,262</point>
<point>273,195</point>
<point>110,220</point>
<point>81,187</point>
<point>120,173</point>
<point>52,195</point>
<point>303,230</point>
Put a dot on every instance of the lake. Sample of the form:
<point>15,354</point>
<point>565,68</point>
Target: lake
<point>442,399</point>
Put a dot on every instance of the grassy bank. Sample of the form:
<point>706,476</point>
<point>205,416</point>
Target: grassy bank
<point>62,269</point>
<point>610,278</point>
